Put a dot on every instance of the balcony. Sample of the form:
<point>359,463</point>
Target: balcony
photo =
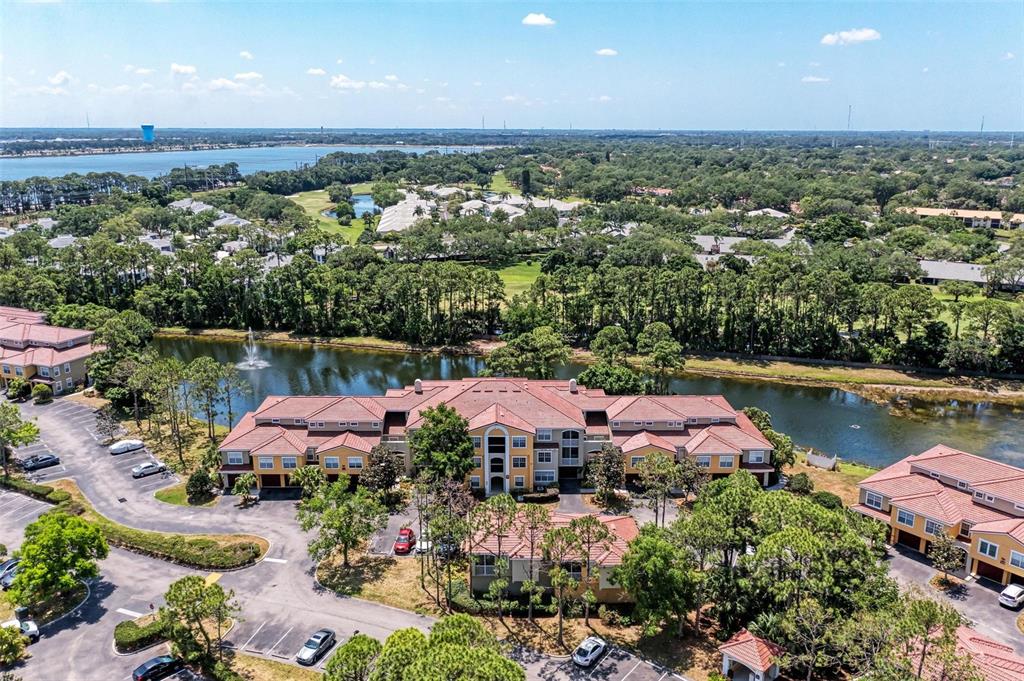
<point>569,461</point>
<point>393,439</point>
<point>596,437</point>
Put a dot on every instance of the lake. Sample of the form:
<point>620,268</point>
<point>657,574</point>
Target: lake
<point>154,163</point>
<point>830,420</point>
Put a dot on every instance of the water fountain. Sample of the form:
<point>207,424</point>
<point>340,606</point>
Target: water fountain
<point>252,354</point>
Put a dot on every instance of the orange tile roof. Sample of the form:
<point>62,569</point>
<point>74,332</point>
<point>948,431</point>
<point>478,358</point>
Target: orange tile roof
<point>756,653</point>
<point>499,414</point>
<point>42,333</point>
<point>994,661</point>
<point>623,529</point>
<point>1013,527</point>
<point>48,357</point>
<point>350,440</point>
<point>643,439</point>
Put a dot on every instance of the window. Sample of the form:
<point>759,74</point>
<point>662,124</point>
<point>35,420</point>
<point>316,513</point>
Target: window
<point>544,456</point>
<point>518,462</point>
<point>703,462</point>
<point>873,500</point>
<point>518,442</point>
<point>756,456</point>
<point>542,477</point>
<point>615,424</point>
<point>318,424</point>
<point>56,371</point>
<point>715,419</point>
<point>520,482</point>
<point>44,371</point>
<point>477,462</point>
<point>1019,507</point>
<point>275,420</point>
<point>70,382</point>
<point>355,462</point>
<point>474,481</point>
<point>353,424</point>
<point>638,423</point>
<point>1017,559</point>
<point>67,367</point>
<point>266,462</point>
<point>477,442</point>
<point>484,566</point>
<point>56,386</point>
<point>961,484</point>
<point>987,548</point>
<point>543,436</point>
<point>933,474</point>
<point>289,462</point>
<point>375,425</point>
<point>7,368</point>
<point>575,570</point>
<point>18,371</point>
<point>635,461</point>
<point>298,422</point>
<point>332,463</point>
<point>905,518</point>
<point>725,462</point>
<point>933,528</point>
<point>978,495</point>
<point>235,459</point>
<point>648,423</point>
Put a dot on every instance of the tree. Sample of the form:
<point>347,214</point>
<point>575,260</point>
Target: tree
<point>107,423</point>
<point>606,472</point>
<point>18,388</point>
<point>204,374</point>
<point>42,393</point>
<point>661,577</point>
<point>245,486</point>
<point>946,555</point>
<point>809,629</point>
<point>536,354</point>
<point>59,552</point>
<point>800,483</point>
<point>533,523</point>
<point>311,479</point>
<point>14,432</point>
<point>496,517</point>
<point>610,344</point>
<point>594,538</point>
<point>441,446</point>
<point>200,485</point>
<point>191,606</point>
<point>923,626</point>
<point>233,387</point>
<point>354,660</point>
<point>382,471</point>
<point>561,549</point>
<point>614,379</point>
<point>689,477</point>
<point>662,352</point>
<point>12,645</point>
<point>342,519</point>
<point>400,650</point>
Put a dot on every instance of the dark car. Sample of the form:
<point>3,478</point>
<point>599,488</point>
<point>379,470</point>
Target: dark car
<point>405,542</point>
<point>318,644</point>
<point>157,668</point>
<point>34,463</point>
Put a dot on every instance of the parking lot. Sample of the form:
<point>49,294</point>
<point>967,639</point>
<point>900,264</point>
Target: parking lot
<point>274,638</point>
<point>615,665</point>
<point>16,512</point>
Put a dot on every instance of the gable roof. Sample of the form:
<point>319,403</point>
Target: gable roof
<point>754,652</point>
<point>623,529</point>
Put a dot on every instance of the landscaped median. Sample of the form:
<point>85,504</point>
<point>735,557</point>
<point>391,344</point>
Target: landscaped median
<point>200,551</point>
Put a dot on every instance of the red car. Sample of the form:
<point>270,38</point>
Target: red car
<point>406,541</point>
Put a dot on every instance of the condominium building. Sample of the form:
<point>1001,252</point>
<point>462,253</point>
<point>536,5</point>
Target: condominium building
<point>39,353</point>
<point>977,501</point>
<point>526,434</point>
<point>991,219</point>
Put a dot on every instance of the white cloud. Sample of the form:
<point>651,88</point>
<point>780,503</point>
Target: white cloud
<point>924,70</point>
<point>59,78</point>
<point>512,98</point>
<point>223,84</point>
<point>1007,56</point>
<point>606,52</point>
<point>340,60</point>
<point>538,19</point>
<point>343,82</point>
<point>249,75</point>
<point>190,87</point>
<point>314,71</point>
<point>814,79</point>
<point>245,54</point>
<point>401,86</point>
<point>781,64</point>
<point>183,69</point>
<point>851,37</point>
<point>477,83</point>
<point>814,64</point>
<point>378,85</point>
<point>604,98</point>
<point>391,77</point>
<point>442,99</point>
<point>140,71</point>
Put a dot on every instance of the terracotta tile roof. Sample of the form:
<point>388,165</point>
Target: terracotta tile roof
<point>871,512</point>
<point>643,439</point>
<point>994,661</point>
<point>622,527</point>
<point>350,440</point>
<point>350,409</point>
<point>49,357</point>
<point>299,407</point>
<point>971,468</point>
<point>756,653</point>
<point>42,333</point>
<point>499,414</point>
<point>1011,526</point>
<point>21,315</point>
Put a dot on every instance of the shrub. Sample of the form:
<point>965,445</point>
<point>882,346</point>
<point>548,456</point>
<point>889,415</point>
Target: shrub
<point>827,499</point>
<point>610,616</point>
<point>41,492</point>
<point>199,486</point>
<point>129,636</point>
<point>12,645</point>
<point>800,484</point>
<point>198,552</point>
<point>18,388</point>
<point>42,393</point>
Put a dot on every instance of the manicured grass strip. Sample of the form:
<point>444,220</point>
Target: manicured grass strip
<point>177,495</point>
<point>519,278</point>
<point>200,551</point>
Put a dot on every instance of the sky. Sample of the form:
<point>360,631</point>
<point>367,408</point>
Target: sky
<point>627,65</point>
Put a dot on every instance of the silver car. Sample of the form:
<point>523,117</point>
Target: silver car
<point>589,652</point>
<point>125,446</point>
<point>317,645</point>
<point>148,468</point>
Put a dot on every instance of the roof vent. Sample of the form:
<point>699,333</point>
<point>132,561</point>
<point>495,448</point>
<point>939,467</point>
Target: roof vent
<point>417,385</point>
<point>573,387</point>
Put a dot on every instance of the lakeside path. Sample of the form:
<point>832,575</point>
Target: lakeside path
<point>874,383</point>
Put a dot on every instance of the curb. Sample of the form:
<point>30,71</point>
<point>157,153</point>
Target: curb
<point>88,595</point>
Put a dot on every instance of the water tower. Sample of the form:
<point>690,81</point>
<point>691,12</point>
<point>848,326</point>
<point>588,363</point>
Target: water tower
<point>148,136</point>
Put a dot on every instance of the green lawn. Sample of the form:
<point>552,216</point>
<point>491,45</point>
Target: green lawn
<point>361,188</point>
<point>500,183</point>
<point>176,495</point>
<point>944,315</point>
<point>315,202</point>
<point>519,277</point>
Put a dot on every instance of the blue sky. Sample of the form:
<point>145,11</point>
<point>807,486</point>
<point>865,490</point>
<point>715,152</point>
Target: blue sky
<point>672,65</point>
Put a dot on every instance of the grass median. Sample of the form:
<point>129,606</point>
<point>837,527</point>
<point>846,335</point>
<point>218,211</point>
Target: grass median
<point>200,551</point>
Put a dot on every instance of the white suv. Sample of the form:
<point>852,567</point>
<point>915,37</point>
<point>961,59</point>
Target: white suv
<point>1012,596</point>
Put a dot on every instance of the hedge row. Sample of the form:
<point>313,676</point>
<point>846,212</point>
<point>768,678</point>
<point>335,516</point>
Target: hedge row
<point>129,636</point>
<point>197,552</point>
<point>42,492</point>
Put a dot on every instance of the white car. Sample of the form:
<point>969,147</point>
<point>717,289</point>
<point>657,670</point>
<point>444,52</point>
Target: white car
<point>1012,596</point>
<point>125,446</point>
<point>148,468</point>
<point>590,651</point>
<point>28,628</point>
<point>423,546</point>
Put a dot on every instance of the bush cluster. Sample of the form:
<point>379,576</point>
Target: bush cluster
<point>197,552</point>
<point>42,492</point>
<point>129,636</point>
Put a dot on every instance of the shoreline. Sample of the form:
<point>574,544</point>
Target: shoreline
<point>881,386</point>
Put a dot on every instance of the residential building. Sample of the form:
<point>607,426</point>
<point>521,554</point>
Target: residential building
<point>404,214</point>
<point>992,219</point>
<point>527,434</point>
<point>40,353</point>
<point>516,549</point>
<point>977,501</point>
<point>938,271</point>
<point>993,661</point>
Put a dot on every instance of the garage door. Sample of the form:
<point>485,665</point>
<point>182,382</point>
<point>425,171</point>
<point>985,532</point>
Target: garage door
<point>270,480</point>
<point>908,540</point>
<point>989,571</point>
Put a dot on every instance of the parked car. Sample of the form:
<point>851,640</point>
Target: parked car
<point>405,542</point>
<point>448,548</point>
<point>148,468</point>
<point>8,579</point>
<point>318,644</point>
<point>1012,596</point>
<point>28,628</point>
<point>423,546</point>
<point>590,651</point>
<point>34,463</point>
<point>125,446</point>
<point>157,668</point>
<point>7,566</point>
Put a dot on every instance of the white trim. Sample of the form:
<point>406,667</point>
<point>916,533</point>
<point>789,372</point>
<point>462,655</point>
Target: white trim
<point>868,495</point>
<point>355,463</point>
<point>900,512</point>
<point>983,543</point>
<point>935,527</point>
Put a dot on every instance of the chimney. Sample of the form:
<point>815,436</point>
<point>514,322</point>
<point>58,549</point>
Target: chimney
<point>418,386</point>
<point>573,388</point>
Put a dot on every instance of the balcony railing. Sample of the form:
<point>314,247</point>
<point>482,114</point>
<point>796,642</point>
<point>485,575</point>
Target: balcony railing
<point>595,438</point>
<point>570,461</point>
<point>397,439</point>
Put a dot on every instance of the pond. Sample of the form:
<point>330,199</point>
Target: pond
<point>827,419</point>
<point>361,203</point>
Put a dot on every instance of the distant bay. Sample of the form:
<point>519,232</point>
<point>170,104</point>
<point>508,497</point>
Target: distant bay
<point>154,163</point>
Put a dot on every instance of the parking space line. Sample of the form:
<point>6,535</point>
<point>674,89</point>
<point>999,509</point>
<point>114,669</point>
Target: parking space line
<point>271,651</point>
<point>129,613</point>
<point>631,671</point>
<point>253,634</point>
<point>16,507</point>
<point>31,513</point>
<point>274,560</point>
